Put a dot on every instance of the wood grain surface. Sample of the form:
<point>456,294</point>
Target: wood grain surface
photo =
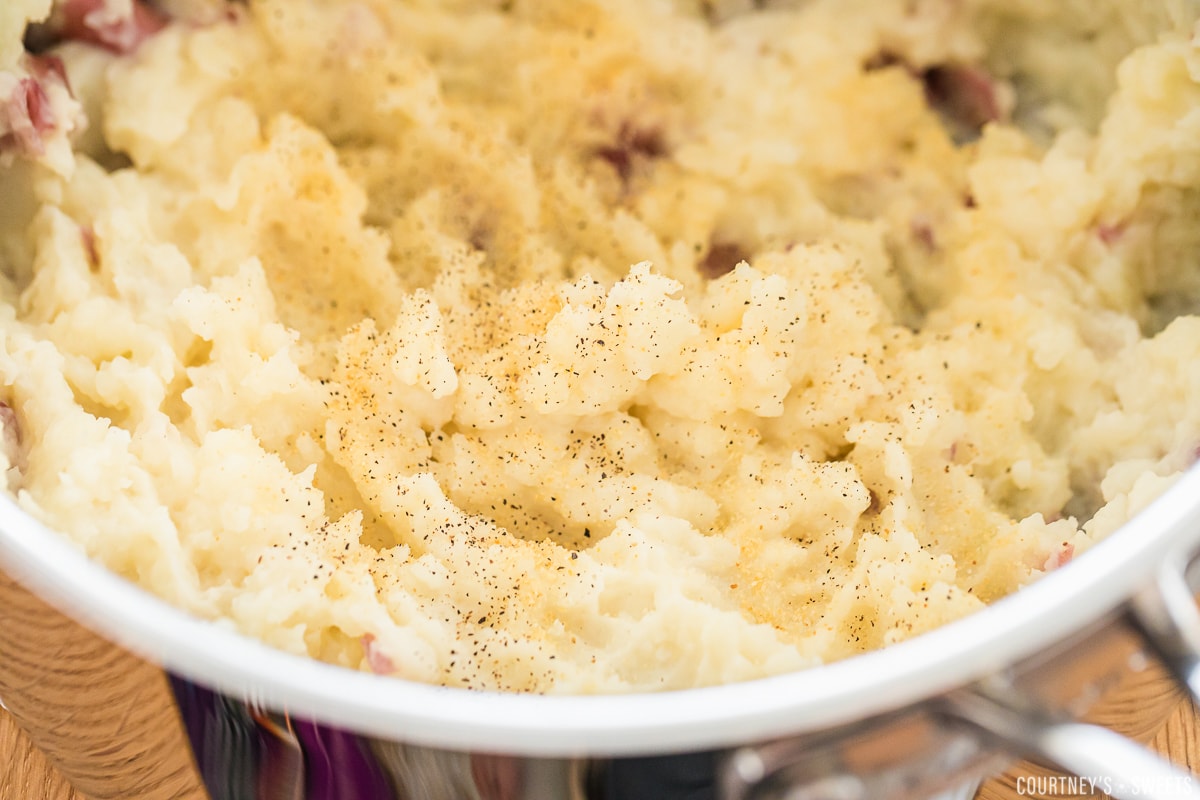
<point>99,715</point>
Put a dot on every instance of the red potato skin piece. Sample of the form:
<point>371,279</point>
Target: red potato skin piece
<point>47,67</point>
<point>922,231</point>
<point>10,440</point>
<point>378,661</point>
<point>87,235</point>
<point>632,144</point>
<point>80,20</point>
<point>1060,556</point>
<point>721,258</point>
<point>28,116</point>
<point>1110,234</point>
<point>964,92</point>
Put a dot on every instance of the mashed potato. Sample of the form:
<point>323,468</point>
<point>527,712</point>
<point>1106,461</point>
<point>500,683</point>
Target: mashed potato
<point>595,346</point>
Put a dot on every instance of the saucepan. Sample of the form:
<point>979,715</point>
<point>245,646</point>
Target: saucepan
<point>929,715</point>
<point>923,718</point>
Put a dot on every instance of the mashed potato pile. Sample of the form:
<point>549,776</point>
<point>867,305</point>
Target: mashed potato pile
<point>602,345</point>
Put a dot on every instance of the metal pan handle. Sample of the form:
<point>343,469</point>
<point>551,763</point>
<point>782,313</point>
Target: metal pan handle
<point>1112,764</point>
<point>1166,616</point>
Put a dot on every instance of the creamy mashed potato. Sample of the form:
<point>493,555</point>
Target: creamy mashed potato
<point>595,346</point>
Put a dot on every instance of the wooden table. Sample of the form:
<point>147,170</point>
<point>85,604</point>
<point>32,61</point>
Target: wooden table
<point>24,772</point>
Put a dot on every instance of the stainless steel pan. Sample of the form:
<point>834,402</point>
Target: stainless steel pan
<point>918,718</point>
